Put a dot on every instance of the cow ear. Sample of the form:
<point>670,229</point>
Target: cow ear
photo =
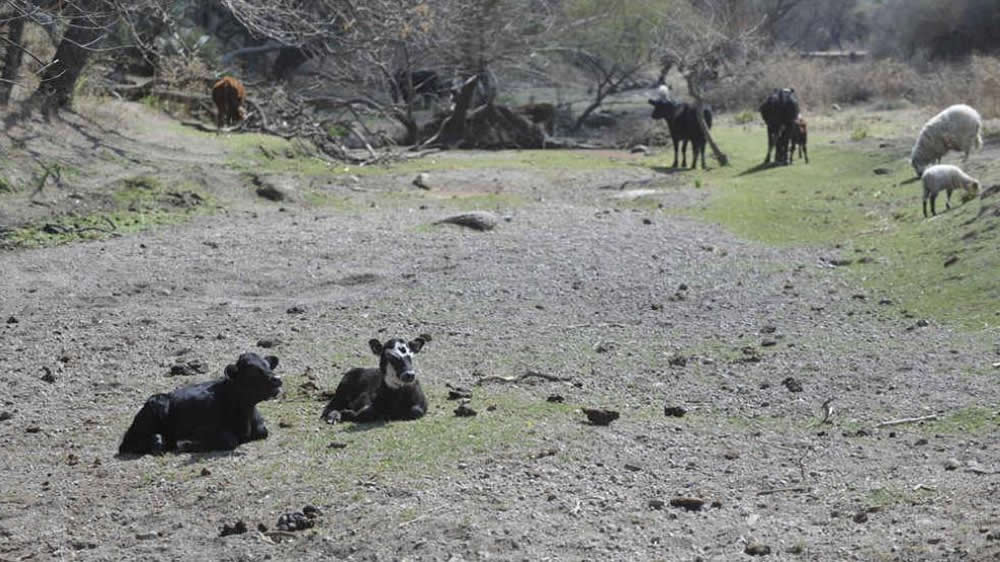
<point>272,361</point>
<point>416,344</point>
<point>231,371</point>
<point>376,346</point>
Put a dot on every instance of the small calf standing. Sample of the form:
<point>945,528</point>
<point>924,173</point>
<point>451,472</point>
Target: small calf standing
<point>948,178</point>
<point>216,415</point>
<point>798,137</point>
<point>391,392</point>
<point>229,97</point>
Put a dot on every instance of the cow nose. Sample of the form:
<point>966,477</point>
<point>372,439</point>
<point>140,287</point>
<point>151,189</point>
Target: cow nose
<point>408,376</point>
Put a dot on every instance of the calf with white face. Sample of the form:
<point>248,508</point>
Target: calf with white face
<point>391,392</point>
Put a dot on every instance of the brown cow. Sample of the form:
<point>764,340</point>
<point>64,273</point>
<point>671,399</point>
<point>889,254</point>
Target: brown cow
<point>798,138</point>
<point>229,96</point>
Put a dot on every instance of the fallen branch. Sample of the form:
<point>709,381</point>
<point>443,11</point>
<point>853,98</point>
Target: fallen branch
<point>902,421</point>
<point>523,376</point>
<point>783,490</point>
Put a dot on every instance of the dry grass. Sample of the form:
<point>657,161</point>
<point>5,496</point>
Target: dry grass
<point>820,84</point>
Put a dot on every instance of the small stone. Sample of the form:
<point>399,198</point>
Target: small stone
<point>311,511</point>
<point>206,472</point>
<point>952,260</point>
<point>768,343</point>
<point>690,504</point>
<point>459,394</point>
<point>336,445</point>
<point>422,180</point>
<point>600,416</point>
<point>768,329</point>
<point>32,429</point>
<point>297,309</point>
<point>674,411</point>
<point>952,464</point>
<point>881,171</point>
<point>757,549</point>
<point>146,536</point>
<point>464,411</point>
<point>268,342</point>
<point>555,399</point>
<point>48,376</point>
<point>12,320</point>
<point>5,415</point>
<point>993,536</point>
<point>181,370</point>
<point>639,149</point>
<point>922,323</point>
<point>296,521</point>
<point>656,504</point>
<point>476,220</point>
<point>647,221</point>
<point>677,361</point>
<point>861,517</point>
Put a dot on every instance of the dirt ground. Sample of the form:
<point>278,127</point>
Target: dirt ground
<point>638,306</point>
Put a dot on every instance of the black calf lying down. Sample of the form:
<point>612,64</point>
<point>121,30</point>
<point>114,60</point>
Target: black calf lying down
<point>391,392</point>
<point>220,414</point>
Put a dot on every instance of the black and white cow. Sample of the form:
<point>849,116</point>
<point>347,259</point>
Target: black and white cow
<point>391,392</point>
<point>215,415</point>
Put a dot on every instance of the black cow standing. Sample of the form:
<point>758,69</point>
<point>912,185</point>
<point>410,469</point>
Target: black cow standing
<point>682,120</point>
<point>391,392</point>
<point>215,415</point>
<point>779,111</point>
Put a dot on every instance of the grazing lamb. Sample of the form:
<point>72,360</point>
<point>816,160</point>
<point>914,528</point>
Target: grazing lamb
<point>229,97</point>
<point>948,178</point>
<point>779,111</point>
<point>220,414</point>
<point>391,392</point>
<point>958,127</point>
<point>682,121</point>
<point>798,138</point>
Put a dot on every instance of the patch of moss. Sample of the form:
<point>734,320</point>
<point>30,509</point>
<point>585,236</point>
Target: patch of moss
<point>429,446</point>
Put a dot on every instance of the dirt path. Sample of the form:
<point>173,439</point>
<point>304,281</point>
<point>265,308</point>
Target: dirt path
<point>641,307</point>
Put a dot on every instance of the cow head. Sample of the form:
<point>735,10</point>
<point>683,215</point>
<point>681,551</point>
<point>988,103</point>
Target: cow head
<point>663,108</point>
<point>396,359</point>
<point>254,378</point>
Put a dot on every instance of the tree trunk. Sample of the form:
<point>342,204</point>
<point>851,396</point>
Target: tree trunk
<point>88,24</point>
<point>11,59</point>
<point>694,88</point>
<point>453,128</point>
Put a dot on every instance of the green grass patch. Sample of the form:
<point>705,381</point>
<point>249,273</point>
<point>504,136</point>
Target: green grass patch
<point>137,204</point>
<point>429,446</point>
<point>838,203</point>
<point>881,498</point>
<point>972,420</point>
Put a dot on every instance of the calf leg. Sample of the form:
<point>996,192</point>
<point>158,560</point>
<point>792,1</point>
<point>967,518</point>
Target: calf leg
<point>805,152</point>
<point>146,434</point>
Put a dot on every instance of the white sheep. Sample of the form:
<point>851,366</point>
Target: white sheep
<point>948,178</point>
<point>958,127</point>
